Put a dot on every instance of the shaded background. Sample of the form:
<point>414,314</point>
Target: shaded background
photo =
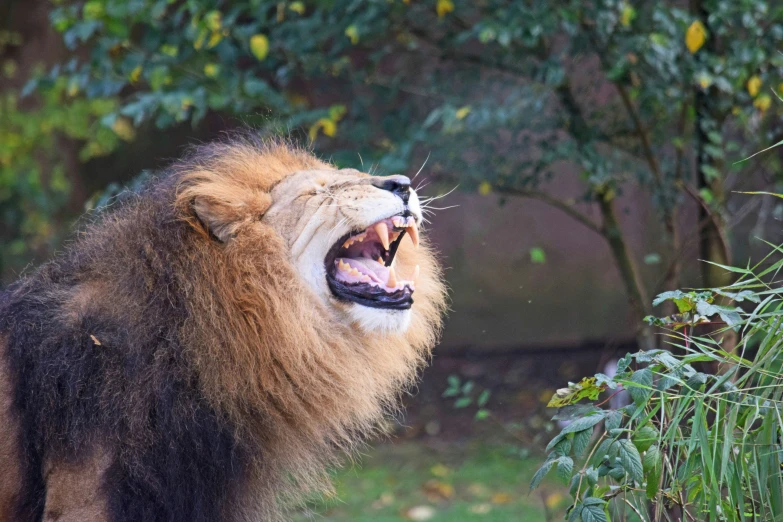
<point>586,153</point>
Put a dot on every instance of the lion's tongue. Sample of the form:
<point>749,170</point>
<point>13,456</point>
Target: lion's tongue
<point>359,270</point>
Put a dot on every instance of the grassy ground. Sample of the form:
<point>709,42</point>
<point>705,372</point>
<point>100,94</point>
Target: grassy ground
<point>455,482</point>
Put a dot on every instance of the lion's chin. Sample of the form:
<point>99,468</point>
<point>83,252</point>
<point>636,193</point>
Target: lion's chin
<point>376,320</point>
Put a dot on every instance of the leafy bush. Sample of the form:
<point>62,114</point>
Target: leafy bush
<point>704,445</point>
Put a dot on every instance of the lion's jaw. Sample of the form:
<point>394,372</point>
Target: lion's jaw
<point>330,221</point>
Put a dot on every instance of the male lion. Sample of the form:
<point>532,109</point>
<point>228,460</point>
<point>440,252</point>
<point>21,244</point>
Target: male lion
<point>206,350</point>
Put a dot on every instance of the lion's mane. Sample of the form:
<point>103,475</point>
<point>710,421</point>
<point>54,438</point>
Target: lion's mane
<point>212,380</point>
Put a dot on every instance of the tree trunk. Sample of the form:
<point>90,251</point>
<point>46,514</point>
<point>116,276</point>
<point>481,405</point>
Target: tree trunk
<point>629,273</point>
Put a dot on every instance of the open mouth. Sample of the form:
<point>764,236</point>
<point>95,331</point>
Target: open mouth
<point>360,266</point>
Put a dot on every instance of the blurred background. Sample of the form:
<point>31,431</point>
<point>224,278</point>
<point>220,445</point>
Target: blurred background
<point>588,155</point>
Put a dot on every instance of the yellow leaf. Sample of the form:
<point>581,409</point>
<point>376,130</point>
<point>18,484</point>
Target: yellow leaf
<point>336,112</point>
<point>695,36</point>
<point>484,188</point>
<point>213,20</point>
<point>123,128</point>
<point>704,81</point>
<point>436,490</point>
<point>754,85</point>
<point>627,15</point>
<point>169,50</point>
<point>763,102</point>
<point>353,33</point>
<point>135,74</point>
<point>464,111</point>
<point>259,46</point>
<point>443,7</point>
<point>73,88</point>
<point>297,7</point>
<point>187,102</point>
<point>553,500</point>
<point>325,125</point>
<point>211,70</point>
<point>214,40</point>
<point>501,498</point>
<point>202,36</point>
<point>439,470</point>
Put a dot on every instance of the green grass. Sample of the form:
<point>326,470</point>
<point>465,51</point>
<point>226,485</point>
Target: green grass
<point>456,482</point>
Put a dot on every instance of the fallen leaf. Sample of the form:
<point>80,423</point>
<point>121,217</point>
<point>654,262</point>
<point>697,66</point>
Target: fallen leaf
<point>501,498</point>
<point>439,470</point>
<point>437,490</point>
<point>481,509</point>
<point>420,513</point>
<point>553,500</point>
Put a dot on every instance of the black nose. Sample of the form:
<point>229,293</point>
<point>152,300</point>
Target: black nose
<point>399,185</point>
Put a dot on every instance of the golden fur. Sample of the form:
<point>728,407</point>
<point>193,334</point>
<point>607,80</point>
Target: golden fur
<point>324,382</point>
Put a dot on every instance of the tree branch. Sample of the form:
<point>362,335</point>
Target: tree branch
<point>563,206</point>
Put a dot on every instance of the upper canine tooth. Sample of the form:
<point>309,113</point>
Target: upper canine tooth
<point>383,234</point>
<point>391,282</point>
<point>413,230</point>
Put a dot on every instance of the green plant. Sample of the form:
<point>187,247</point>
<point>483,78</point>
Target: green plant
<point>612,94</point>
<point>467,394</point>
<point>698,446</point>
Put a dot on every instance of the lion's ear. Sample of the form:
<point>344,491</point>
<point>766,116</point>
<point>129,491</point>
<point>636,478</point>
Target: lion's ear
<point>217,217</point>
<point>224,219</point>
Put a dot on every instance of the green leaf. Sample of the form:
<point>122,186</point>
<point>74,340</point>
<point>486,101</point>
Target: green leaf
<point>483,398</point>
<point>565,466</point>
<point>575,513</point>
<point>537,255</point>
<point>613,419</point>
<point>581,441</point>
<point>630,459</point>
<point>541,473</point>
<point>463,402</point>
<point>563,447</point>
<point>641,394</point>
<point>644,437</point>
<point>652,465</point>
<point>593,510</point>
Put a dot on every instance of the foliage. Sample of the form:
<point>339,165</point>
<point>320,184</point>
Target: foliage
<point>532,89</point>
<point>34,186</point>
<point>468,394</point>
<point>709,444</point>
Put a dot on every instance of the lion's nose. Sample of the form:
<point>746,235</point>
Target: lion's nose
<point>398,184</point>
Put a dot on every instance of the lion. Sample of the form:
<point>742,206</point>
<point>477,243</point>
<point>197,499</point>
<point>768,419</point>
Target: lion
<point>207,348</point>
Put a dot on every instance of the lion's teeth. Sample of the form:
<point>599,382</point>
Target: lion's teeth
<point>413,230</point>
<point>383,234</point>
<point>380,259</point>
<point>391,282</point>
<point>416,272</point>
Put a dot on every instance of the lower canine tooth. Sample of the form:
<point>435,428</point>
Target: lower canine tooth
<point>416,272</point>
<point>391,282</point>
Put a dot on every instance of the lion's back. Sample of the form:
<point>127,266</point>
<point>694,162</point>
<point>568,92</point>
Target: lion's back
<point>93,370</point>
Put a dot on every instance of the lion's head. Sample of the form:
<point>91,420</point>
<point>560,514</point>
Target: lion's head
<point>353,238</point>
